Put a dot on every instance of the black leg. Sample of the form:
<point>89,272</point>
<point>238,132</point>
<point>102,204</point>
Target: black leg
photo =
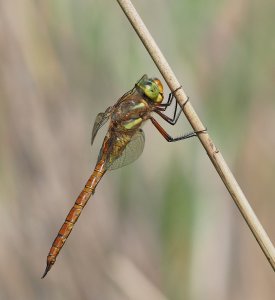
<point>175,118</point>
<point>168,103</point>
<point>170,98</point>
<point>185,102</point>
<point>169,138</point>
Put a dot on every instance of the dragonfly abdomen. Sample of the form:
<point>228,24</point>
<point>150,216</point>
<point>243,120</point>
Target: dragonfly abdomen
<point>74,214</point>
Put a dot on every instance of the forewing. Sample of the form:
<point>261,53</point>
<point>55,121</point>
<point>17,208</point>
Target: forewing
<point>100,120</point>
<point>131,152</point>
<point>132,93</point>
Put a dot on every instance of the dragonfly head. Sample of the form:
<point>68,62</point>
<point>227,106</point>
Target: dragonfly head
<point>152,88</point>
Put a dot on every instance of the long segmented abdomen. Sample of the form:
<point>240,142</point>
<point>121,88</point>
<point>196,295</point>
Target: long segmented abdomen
<point>74,214</point>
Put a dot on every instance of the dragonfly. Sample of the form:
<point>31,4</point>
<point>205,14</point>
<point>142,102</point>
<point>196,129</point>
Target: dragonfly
<point>123,143</point>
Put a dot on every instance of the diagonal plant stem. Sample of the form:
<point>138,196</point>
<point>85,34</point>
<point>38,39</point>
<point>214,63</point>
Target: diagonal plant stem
<point>213,153</point>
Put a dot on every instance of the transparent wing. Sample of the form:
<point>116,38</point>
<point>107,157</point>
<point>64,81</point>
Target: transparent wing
<point>100,120</point>
<point>131,152</point>
<point>132,91</point>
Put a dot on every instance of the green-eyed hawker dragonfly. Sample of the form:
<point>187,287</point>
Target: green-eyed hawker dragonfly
<point>123,143</point>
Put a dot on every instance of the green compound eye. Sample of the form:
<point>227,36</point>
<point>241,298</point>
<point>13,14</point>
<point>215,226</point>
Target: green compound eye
<point>151,90</point>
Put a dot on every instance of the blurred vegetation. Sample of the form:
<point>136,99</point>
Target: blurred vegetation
<point>163,227</point>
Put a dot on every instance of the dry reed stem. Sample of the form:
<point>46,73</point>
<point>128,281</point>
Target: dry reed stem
<point>213,153</point>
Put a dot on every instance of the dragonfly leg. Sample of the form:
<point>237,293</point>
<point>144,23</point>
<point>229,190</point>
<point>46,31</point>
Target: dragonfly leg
<point>170,99</point>
<point>168,103</point>
<point>169,120</point>
<point>175,118</point>
<point>162,107</point>
<point>169,138</point>
<point>176,89</point>
<point>185,102</point>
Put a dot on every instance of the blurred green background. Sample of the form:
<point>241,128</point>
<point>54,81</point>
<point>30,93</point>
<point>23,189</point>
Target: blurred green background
<point>165,226</point>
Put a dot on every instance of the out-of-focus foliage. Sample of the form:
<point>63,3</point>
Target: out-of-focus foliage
<point>163,227</point>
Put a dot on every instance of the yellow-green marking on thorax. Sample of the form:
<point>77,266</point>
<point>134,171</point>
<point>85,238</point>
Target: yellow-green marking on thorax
<point>139,106</point>
<point>132,123</point>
